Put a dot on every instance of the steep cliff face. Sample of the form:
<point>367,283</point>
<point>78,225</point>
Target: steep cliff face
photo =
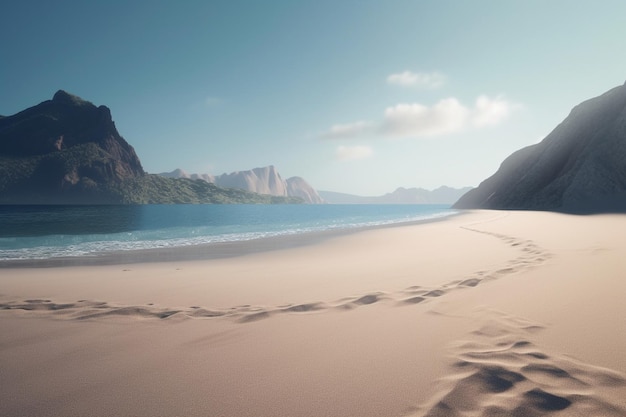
<point>265,180</point>
<point>298,187</point>
<point>63,150</point>
<point>64,122</point>
<point>259,180</point>
<point>579,167</point>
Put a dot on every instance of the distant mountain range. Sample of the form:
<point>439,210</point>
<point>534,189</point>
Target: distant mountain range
<point>580,167</point>
<point>441,195</point>
<point>264,180</point>
<point>68,151</point>
<point>267,180</point>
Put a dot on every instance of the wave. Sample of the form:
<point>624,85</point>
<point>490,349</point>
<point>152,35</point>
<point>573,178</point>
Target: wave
<point>61,245</point>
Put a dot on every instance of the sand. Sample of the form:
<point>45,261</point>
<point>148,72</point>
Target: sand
<point>484,314</point>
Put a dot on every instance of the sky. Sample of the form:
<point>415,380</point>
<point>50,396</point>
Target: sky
<point>355,96</point>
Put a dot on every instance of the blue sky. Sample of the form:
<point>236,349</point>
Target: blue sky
<point>354,96</point>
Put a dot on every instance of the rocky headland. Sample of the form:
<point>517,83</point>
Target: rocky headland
<point>580,167</point>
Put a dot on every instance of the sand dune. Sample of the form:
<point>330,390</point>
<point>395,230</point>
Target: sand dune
<point>485,314</point>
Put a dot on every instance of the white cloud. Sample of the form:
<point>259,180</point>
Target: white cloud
<point>417,120</point>
<point>347,130</point>
<point>417,79</point>
<point>345,153</point>
<point>407,120</point>
<point>489,112</point>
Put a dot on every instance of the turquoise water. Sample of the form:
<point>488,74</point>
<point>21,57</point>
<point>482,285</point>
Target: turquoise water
<point>42,232</point>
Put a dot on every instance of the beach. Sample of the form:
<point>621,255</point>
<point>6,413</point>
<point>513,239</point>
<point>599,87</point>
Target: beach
<point>488,313</point>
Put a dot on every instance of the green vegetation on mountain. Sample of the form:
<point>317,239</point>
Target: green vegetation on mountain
<point>68,151</point>
<point>154,189</point>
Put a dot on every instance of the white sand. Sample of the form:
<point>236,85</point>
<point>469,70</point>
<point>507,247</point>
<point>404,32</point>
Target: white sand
<point>489,313</point>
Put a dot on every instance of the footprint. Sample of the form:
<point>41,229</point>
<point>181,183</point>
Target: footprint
<point>538,399</point>
<point>368,299</point>
<point>502,373</point>
<point>434,293</point>
<point>248,318</point>
<point>547,369</point>
<point>414,300</point>
<point>303,308</point>
<point>472,282</point>
<point>201,312</point>
<point>495,379</point>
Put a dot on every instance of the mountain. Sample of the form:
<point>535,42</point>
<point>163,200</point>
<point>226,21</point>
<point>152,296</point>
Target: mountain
<point>441,195</point>
<point>264,180</point>
<point>68,151</point>
<point>63,150</point>
<point>580,167</point>
<point>259,180</point>
<point>179,173</point>
<point>298,187</point>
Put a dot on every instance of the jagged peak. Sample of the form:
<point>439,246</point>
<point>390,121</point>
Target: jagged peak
<point>269,168</point>
<point>63,96</point>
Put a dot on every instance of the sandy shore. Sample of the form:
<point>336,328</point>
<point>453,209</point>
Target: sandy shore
<point>485,314</point>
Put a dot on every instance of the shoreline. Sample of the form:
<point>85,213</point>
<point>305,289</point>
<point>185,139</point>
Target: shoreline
<point>209,251</point>
<point>503,313</point>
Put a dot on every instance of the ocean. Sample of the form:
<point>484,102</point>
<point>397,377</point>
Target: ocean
<point>44,232</point>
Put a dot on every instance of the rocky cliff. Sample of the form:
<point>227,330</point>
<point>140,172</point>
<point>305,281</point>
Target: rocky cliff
<point>266,180</point>
<point>579,167</point>
<point>61,150</point>
<point>298,187</point>
<point>259,180</point>
<point>64,122</point>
